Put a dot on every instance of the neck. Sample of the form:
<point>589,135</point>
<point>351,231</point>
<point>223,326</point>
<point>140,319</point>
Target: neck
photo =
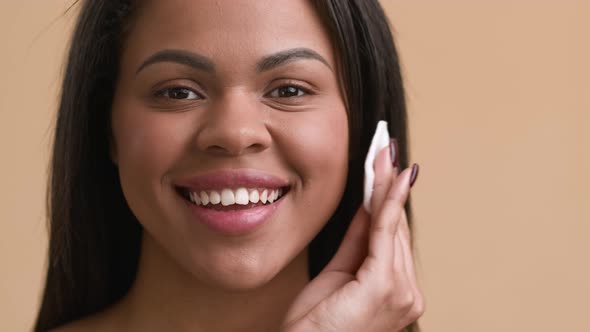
<point>165,297</point>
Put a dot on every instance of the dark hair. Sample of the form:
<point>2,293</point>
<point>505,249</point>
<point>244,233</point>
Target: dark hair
<point>95,238</point>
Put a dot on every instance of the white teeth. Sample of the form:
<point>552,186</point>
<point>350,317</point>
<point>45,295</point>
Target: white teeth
<point>242,196</point>
<point>254,196</point>
<point>275,195</point>
<point>214,197</point>
<point>264,196</point>
<point>227,197</point>
<point>204,198</point>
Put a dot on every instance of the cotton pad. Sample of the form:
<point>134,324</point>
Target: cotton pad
<point>379,141</point>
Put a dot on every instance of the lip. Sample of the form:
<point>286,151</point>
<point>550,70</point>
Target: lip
<point>235,222</point>
<point>232,178</point>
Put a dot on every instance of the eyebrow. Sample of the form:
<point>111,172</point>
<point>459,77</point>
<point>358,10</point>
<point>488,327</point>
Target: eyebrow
<point>194,60</point>
<point>203,63</point>
<point>283,57</point>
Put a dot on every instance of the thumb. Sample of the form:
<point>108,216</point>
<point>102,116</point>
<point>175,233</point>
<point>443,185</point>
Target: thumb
<point>354,247</point>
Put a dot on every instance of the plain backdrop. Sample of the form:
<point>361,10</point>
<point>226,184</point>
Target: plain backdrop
<point>499,104</point>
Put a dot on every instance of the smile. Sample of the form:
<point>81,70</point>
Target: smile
<point>233,202</point>
<point>233,199</point>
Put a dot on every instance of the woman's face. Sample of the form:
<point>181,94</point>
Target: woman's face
<point>241,86</point>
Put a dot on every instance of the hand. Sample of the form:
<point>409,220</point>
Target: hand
<point>370,284</point>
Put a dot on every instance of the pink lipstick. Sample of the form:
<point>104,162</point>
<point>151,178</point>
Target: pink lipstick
<point>233,201</point>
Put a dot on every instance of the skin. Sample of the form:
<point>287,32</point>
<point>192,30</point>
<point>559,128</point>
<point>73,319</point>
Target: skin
<point>191,279</point>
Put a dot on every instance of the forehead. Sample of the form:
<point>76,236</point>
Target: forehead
<point>230,30</point>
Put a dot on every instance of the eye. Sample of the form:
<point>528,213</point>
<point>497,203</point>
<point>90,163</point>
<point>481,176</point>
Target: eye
<point>179,93</point>
<point>287,91</point>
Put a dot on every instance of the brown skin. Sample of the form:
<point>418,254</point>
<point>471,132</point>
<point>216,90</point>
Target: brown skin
<point>192,279</point>
<point>189,278</point>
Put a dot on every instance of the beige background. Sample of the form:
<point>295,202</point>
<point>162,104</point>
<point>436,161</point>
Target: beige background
<point>499,97</point>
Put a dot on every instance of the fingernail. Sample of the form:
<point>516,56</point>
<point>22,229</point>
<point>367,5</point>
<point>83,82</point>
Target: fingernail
<point>393,149</point>
<point>414,175</point>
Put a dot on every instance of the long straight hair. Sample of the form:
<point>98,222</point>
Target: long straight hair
<point>94,238</point>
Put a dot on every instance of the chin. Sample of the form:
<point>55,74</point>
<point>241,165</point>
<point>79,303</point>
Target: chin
<point>241,279</point>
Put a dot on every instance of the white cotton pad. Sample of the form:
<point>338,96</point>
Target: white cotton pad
<point>380,140</point>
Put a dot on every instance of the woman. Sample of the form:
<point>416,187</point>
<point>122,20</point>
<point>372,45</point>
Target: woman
<point>207,164</point>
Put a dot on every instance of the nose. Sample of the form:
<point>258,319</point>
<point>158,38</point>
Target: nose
<point>233,125</point>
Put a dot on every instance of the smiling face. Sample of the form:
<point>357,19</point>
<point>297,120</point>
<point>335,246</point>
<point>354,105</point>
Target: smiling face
<point>208,86</point>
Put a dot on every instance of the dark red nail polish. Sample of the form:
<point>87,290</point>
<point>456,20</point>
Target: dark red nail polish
<point>394,150</point>
<point>414,175</point>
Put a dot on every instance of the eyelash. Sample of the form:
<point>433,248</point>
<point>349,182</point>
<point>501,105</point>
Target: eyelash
<point>163,92</point>
<point>306,91</point>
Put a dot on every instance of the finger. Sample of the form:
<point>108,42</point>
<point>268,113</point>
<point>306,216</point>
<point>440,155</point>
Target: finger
<point>403,294</point>
<point>383,230</point>
<point>400,295</point>
<point>389,293</point>
<point>394,155</point>
<point>406,239</point>
<point>382,183</point>
<point>386,225</point>
<point>354,246</point>
<point>404,231</point>
<point>399,264</point>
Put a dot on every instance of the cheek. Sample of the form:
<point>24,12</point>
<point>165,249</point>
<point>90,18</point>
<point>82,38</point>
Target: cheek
<point>147,144</point>
<point>319,154</point>
<point>322,146</point>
